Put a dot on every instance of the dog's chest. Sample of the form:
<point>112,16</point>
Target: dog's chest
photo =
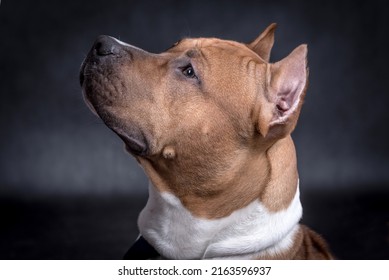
<point>176,234</point>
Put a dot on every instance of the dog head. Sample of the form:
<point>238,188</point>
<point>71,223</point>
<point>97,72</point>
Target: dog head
<point>194,114</point>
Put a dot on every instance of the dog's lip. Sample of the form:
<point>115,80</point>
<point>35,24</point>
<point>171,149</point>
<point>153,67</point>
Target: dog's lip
<point>134,140</point>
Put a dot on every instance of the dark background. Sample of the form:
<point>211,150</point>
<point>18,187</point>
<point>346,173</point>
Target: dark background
<point>69,191</point>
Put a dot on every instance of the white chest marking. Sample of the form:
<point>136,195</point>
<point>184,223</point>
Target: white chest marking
<point>250,231</point>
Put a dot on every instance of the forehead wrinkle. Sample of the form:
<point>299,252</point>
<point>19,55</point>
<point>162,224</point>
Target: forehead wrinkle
<point>200,53</point>
<point>236,50</point>
<point>192,53</point>
<point>196,51</point>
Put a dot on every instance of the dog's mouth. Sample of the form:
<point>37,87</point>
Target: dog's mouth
<point>102,93</point>
<point>132,135</point>
<point>134,139</point>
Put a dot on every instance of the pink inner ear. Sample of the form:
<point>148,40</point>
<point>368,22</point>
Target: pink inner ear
<point>286,104</point>
<point>287,100</point>
<point>288,82</point>
<point>283,105</point>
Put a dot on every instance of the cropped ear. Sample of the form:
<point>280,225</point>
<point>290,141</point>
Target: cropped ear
<point>264,43</point>
<point>286,86</point>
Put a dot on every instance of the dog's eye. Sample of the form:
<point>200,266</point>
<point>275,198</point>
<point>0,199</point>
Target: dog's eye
<point>189,72</point>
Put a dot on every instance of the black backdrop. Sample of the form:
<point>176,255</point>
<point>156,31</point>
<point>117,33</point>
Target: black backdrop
<point>53,148</point>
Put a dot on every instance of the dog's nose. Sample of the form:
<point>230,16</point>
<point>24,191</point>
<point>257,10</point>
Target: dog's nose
<point>106,45</point>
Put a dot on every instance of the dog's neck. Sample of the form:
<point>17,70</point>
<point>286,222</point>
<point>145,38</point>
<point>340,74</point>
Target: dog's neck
<point>251,231</point>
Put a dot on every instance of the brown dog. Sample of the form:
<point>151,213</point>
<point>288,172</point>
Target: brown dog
<point>209,120</point>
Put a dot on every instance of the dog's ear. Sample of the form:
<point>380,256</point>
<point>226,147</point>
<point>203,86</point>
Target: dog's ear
<point>286,83</point>
<point>264,42</point>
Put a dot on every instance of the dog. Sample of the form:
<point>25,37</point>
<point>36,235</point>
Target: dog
<point>209,121</point>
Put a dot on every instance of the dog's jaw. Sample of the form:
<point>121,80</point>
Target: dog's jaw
<point>249,232</point>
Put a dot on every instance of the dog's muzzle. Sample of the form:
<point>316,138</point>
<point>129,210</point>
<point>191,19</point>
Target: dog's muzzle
<point>98,78</point>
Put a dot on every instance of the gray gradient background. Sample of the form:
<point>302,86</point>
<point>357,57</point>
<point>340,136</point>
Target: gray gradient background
<point>69,191</point>
<point>50,142</point>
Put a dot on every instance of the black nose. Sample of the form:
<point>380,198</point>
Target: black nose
<point>106,45</point>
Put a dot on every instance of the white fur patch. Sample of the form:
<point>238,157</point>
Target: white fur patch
<point>251,231</point>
